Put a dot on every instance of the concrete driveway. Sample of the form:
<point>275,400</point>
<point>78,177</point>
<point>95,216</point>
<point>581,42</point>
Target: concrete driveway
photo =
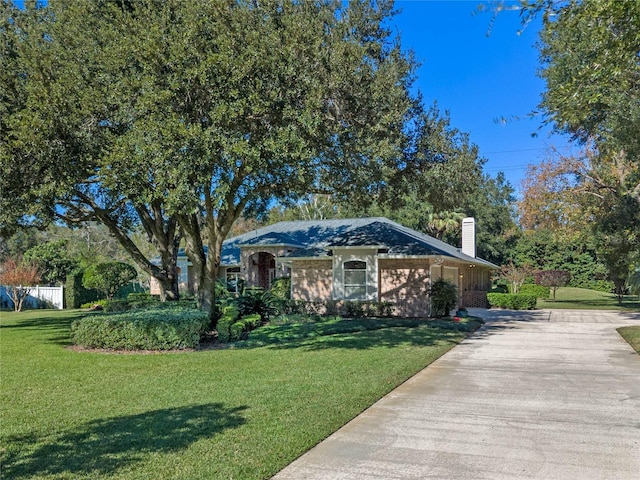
<point>543,394</point>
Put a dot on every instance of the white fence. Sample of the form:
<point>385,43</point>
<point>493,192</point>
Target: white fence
<point>39,297</point>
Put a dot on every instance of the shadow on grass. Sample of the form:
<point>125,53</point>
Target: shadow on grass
<point>388,337</point>
<point>359,334</point>
<point>102,447</point>
<point>53,327</point>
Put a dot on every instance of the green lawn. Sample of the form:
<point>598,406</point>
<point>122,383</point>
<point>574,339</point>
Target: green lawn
<point>239,413</point>
<point>632,335</point>
<point>584,299</point>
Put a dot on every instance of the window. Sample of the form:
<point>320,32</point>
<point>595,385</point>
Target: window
<point>355,280</point>
<point>234,280</point>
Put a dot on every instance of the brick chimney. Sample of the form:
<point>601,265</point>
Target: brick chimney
<point>469,236</point>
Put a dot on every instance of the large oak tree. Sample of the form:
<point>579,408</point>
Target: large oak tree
<point>183,115</point>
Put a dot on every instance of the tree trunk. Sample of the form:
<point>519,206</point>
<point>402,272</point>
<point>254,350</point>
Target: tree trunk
<point>166,241</point>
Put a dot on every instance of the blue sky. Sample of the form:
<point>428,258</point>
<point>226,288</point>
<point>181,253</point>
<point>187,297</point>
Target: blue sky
<point>481,79</point>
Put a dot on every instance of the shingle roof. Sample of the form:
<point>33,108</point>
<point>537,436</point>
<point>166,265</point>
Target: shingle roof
<point>314,239</point>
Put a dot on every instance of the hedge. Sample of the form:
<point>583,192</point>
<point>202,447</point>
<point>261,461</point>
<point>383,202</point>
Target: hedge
<point>512,301</point>
<point>156,329</point>
<point>229,315</point>
<point>75,294</point>
<point>540,291</point>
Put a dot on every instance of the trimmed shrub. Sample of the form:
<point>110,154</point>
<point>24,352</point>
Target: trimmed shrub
<point>240,329</point>
<point>512,301</point>
<point>540,291</point>
<point>156,329</point>
<point>114,306</point>
<point>75,295</point>
<point>139,296</point>
<point>229,315</point>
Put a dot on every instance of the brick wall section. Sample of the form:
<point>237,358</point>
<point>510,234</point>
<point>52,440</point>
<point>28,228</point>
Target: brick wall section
<point>311,280</point>
<point>405,282</point>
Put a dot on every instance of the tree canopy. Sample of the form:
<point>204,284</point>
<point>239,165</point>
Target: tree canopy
<point>589,57</point>
<point>180,116</point>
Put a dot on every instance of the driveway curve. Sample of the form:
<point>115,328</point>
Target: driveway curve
<point>550,394</point>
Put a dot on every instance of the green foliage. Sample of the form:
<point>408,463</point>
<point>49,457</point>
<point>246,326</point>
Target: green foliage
<point>444,296</point>
<point>364,309</point>
<point>512,301</point>
<point>101,303</point>
<point>578,254</point>
<point>229,314</point>
<point>256,300</point>
<point>281,293</point>
<point>539,291</point>
<point>352,309</point>
<point>108,277</point>
<point>432,198</point>
<point>242,327</point>
<point>213,107</point>
<point>157,329</point>
<point>53,261</point>
<point>75,294</point>
<point>634,281</point>
<point>281,288</point>
<point>584,299</point>
<point>589,53</point>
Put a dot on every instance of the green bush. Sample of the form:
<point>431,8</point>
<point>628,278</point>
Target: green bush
<point>240,329</point>
<point>145,303</point>
<point>109,277</point>
<point>75,294</point>
<point>362,309</point>
<point>116,306</point>
<point>332,307</point>
<point>256,300</point>
<point>539,291</point>
<point>606,286</point>
<point>443,296</point>
<point>139,296</point>
<point>229,315</point>
<point>156,329</point>
<point>102,303</point>
<point>512,301</point>
<point>354,309</point>
<point>281,288</point>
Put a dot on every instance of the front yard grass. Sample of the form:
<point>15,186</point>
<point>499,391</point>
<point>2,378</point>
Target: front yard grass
<point>631,335</point>
<point>235,413</point>
<point>585,299</point>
